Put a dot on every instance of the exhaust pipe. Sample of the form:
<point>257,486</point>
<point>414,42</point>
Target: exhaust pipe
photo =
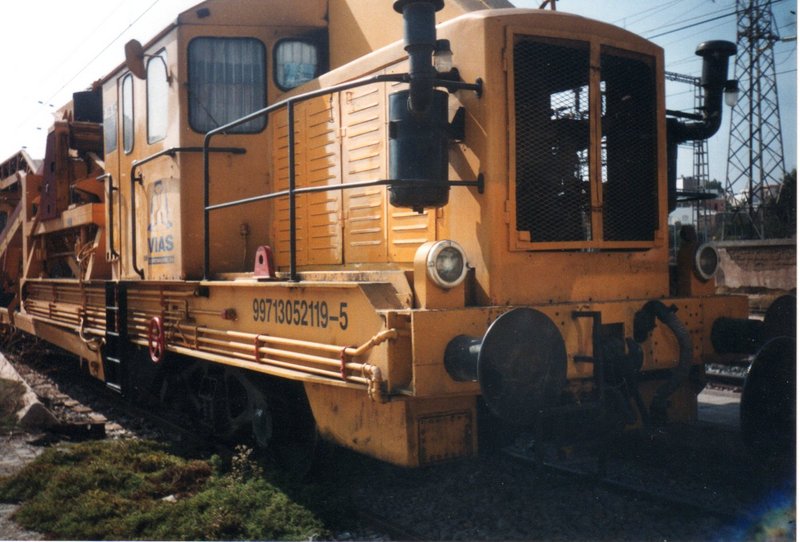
<point>714,80</point>
<point>419,33</point>
<point>419,131</point>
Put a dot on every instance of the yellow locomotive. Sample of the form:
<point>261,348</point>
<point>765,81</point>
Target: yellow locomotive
<point>308,218</point>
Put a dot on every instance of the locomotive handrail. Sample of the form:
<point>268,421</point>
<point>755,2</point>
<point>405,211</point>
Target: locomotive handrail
<point>108,182</point>
<point>172,151</point>
<point>329,188</point>
<point>292,192</point>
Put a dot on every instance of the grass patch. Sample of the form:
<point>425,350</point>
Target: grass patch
<point>11,393</point>
<point>117,489</point>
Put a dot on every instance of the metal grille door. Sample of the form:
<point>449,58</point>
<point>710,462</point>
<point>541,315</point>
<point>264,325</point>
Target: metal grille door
<point>551,89</point>
<point>630,196</point>
<point>586,160</point>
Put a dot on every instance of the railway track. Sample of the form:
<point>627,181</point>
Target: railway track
<point>653,488</point>
<point>703,467</point>
<point>631,476</point>
<point>730,376</point>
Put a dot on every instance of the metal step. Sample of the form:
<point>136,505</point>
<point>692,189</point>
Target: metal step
<point>116,346</point>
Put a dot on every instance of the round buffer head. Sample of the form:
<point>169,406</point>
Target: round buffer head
<point>522,365</point>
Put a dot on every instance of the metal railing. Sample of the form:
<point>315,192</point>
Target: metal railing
<point>292,192</point>
<point>136,164</point>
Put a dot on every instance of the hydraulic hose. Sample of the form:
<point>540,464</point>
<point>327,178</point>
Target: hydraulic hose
<point>644,323</point>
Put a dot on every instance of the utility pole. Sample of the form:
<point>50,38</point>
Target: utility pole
<point>755,147</point>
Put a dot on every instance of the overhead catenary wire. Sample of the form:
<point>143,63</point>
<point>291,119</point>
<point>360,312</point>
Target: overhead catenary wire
<point>86,39</point>
<point>692,25</point>
<point>104,49</point>
<point>88,64</point>
<point>701,18</point>
<point>642,15</point>
<point>701,22</point>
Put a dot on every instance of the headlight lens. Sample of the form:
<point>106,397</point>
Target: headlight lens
<point>447,264</point>
<point>706,261</point>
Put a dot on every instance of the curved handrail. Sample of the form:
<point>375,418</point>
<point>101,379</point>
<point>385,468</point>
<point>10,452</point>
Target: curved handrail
<point>136,164</point>
<point>289,103</point>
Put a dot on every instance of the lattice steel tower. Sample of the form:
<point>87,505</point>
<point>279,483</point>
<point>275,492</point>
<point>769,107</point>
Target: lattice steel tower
<point>755,148</point>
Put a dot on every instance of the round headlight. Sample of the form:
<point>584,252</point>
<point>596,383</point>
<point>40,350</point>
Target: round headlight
<point>706,261</point>
<point>447,264</point>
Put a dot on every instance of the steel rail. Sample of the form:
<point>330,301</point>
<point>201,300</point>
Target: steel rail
<point>603,479</point>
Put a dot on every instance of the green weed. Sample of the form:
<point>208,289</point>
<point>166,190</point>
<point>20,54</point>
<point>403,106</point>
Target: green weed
<point>132,489</point>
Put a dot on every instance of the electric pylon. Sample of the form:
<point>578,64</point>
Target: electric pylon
<point>755,148</point>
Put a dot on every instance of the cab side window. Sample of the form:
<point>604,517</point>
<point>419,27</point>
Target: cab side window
<point>157,96</point>
<point>227,80</point>
<point>296,62</point>
<point>110,128</point>
<point>127,113</point>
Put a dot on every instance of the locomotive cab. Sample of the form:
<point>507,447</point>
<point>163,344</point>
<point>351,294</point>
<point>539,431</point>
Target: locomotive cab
<point>208,68</point>
<point>217,63</point>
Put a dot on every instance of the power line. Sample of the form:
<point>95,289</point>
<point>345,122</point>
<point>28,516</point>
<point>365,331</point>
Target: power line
<point>654,8</point>
<point>104,49</point>
<point>679,40</point>
<point>686,27</point>
<point>704,21</point>
<point>87,37</point>
<point>648,13</point>
<point>88,64</point>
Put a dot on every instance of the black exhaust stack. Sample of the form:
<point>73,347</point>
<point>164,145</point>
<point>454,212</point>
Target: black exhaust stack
<point>419,33</point>
<point>418,117</point>
<point>714,80</point>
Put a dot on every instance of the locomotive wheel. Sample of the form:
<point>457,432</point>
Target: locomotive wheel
<point>270,414</point>
<point>156,340</point>
<point>295,441</point>
<point>780,319</point>
<point>768,401</point>
<point>243,411</point>
<point>222,402</point>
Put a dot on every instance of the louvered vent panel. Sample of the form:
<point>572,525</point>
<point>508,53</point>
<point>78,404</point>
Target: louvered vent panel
<point>364,155</point>
<point>280,138</point>
<point>322,168</point>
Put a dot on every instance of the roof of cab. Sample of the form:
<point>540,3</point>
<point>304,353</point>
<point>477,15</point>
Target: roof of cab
<point>357,27</point>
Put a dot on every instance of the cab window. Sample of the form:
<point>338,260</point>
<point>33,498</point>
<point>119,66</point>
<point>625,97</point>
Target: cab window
<point>110,128</point>
<point>127,113</point>
<point>227,80</point>
<point>157,95</point>
<point>296,62</point>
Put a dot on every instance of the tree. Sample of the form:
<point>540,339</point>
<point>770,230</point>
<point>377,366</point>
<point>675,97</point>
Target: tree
<point>786,205</point>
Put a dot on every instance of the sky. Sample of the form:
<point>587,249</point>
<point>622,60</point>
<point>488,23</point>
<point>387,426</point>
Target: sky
<point>52,48</point>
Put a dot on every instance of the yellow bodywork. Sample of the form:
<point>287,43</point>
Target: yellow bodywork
<point>364,328</point>
<point>368,326</point>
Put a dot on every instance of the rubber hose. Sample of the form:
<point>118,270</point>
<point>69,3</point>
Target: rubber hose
<point>681,372</point>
